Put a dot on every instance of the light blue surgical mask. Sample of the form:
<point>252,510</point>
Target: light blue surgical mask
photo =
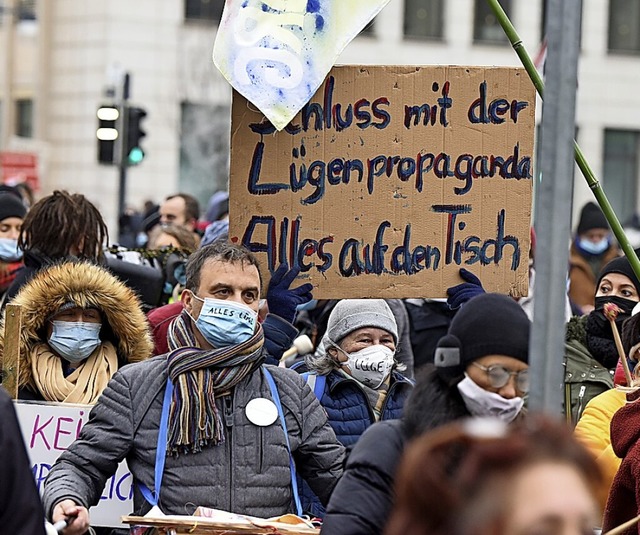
<point>594,248</point>
<point>74,341</point>
<point>225,323</point>
<point>9,251</point>
<point>309,305</point>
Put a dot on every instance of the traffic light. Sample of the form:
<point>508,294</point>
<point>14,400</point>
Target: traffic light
<point>107,132</point>
<point>133,152</point>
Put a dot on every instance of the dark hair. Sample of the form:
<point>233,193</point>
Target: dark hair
<point>186,239</point>
<point>191,206</point>
<point>61,221</point>
<point>630,334</point>
<point>222,251</point>
<point>418,415</point>
<point>448,479</point>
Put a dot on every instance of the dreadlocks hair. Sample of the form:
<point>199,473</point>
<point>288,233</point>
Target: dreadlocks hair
<point>62,224</point>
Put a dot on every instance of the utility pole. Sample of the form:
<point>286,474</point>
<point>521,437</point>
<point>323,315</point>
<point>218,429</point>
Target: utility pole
<point>121,156</point>
<point>553,206</point>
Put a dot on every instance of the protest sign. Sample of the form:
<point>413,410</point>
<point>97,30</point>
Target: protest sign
<point>390,180</point>
<point>47,430</point>
<point>277,52</point>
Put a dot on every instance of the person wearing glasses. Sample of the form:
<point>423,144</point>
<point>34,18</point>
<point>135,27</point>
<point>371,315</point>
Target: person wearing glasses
<point>480,369</point>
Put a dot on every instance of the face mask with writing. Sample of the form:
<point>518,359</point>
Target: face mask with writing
<point>74,341</point>
<point>371,365</point>
<point>225,323</point>
<point>481,402</point>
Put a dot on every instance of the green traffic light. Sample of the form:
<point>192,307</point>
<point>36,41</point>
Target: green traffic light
<point>136,156</point>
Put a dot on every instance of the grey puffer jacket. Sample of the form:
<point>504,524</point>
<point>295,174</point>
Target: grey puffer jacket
<point>248,473</point>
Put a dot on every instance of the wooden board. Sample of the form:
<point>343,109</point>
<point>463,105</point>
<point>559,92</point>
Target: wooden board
<point>196,525</point>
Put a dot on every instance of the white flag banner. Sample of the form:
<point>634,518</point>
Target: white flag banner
<point>276,53</point>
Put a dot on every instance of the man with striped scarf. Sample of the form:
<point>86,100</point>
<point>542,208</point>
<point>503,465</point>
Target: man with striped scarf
<point>207,423</point>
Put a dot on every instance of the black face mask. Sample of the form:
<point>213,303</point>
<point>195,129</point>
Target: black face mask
<point>625,304</point>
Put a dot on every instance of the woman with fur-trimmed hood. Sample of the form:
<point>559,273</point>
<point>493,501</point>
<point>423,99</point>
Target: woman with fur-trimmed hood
<point>79,325</point>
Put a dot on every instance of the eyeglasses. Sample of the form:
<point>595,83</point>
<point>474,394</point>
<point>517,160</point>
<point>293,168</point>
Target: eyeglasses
<point>499,376</point>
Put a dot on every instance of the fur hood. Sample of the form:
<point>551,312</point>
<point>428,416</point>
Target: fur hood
<point>86,285</point>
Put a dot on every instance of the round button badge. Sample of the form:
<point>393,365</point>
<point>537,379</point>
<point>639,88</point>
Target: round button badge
<point>261,411</point>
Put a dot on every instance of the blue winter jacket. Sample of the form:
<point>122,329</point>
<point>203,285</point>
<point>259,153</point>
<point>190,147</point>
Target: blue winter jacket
<point>350,414</point>
<point>348,407</point>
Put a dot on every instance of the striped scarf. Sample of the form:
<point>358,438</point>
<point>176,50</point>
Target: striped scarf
<point>199,375</point>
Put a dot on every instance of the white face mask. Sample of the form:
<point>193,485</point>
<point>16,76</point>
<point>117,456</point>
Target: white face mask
<point>371,365</point>
<point>481,402</point>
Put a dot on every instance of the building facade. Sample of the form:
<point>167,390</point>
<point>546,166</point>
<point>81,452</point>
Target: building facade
<point>60,60</point>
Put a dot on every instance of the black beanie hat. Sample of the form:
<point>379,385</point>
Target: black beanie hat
<point>619,265</point>
<point>591,217</point>
<point>489,324</point>
<point>11,206</point>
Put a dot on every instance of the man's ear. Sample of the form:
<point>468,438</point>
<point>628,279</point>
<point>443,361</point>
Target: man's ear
<point>187,300</point>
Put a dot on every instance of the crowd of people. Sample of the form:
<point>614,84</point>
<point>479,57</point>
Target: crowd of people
<point>403,417</point>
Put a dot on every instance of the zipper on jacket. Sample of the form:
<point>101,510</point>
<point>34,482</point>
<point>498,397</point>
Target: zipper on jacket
<point>228,422</point>
<point>392,388</point>
<point>581,393</point>
<point>261,452</point>
<point>228,412</point>
<point>372,416</point>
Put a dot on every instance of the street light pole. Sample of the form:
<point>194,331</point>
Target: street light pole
<point>121,149</point>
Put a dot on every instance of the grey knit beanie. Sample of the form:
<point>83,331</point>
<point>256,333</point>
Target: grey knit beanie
<point>352,314</point>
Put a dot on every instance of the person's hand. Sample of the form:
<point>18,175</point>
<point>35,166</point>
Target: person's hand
<point>283,301</point>
<point>461,293</point>
<point>77,517</point>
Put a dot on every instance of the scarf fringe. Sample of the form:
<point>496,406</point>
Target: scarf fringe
<point>197,375</point>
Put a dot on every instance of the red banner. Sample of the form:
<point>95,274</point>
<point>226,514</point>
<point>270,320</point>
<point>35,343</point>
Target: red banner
<point>20,167</point>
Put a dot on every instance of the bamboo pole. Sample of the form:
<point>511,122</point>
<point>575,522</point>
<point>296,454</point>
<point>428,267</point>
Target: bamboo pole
<point>11,355</point>
<point>611,312</point>
<point>623,527</point>
<point>580,159</point>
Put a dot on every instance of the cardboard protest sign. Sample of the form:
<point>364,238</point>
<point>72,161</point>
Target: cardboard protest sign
<point>47,430</point>
<point>277,52</point>
<point>389,180</point>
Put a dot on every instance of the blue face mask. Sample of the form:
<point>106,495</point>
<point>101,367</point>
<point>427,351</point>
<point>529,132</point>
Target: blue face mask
<point>9,251</point>
<point>309,305</point>
<point>596,248</point>
<point>225,323</point>
<point>74,341</point>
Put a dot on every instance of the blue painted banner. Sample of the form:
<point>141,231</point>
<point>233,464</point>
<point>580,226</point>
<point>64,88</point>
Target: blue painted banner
<point>390,179</point>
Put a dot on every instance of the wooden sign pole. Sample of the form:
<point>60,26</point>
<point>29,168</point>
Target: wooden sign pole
<point>11,356</point>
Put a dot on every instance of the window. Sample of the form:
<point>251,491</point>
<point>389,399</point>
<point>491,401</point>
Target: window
<point>486,28</point>
<point>423,18</point>
<point>624,26</point>
<point>207,10</point>
<point>368,30</point>
<point>24,118</point>
<point>26,10</point>
<point>621,172</point>
<point>204,149</point>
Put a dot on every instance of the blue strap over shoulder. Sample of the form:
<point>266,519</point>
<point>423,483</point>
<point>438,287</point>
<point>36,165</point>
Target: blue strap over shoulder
<point>315,382</point>
<point>292,466</point>
<point>161,449</point>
